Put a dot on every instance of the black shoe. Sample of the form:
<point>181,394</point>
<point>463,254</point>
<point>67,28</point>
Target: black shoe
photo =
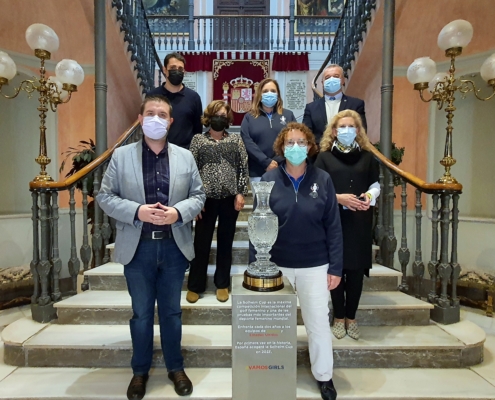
<point>137,387</point>
<point>182,384</point>
<point>327,390</point>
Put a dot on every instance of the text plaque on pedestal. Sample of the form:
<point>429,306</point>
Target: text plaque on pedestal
<point>264,343</point>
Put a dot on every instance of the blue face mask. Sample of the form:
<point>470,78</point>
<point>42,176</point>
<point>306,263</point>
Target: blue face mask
<point>346,135</point>
<point>332,85</point>
<point>269,99</point>
<point>296,154</point>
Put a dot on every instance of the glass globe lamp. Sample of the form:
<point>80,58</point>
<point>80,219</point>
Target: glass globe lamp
<point>487,70</point>
<point>421,72</point>
<point>42,39</point>
<point>63,93</point>
<point>7,68</point>
<point>454,36</point>
<point>439,77</point>
<point>70,74</point>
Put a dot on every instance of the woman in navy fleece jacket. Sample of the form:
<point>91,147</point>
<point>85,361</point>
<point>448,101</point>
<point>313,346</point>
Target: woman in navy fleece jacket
<point>308,249</point>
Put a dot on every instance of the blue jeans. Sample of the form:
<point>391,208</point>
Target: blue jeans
<point>156,273</point>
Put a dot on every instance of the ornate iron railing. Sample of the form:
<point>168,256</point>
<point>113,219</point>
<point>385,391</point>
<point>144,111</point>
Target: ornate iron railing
<point>46,263</point>
<point>139,40</point>
<point>246,32</point>
<point>353,24</point>
<point>443,268</point>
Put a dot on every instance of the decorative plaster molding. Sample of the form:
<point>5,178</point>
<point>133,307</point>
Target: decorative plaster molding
<point>33,62</point>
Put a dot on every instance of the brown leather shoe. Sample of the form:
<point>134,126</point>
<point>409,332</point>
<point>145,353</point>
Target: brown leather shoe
<point>137,387</point>
<point>192,297</point>
<point>222,295</point>
<point>182,384</point>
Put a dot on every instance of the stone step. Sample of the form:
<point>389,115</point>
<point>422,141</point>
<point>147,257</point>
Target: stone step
<point>110,276</point>
<point>248,200</point>
<point>244,213</point>
<point>241,231</point>
<point>216,384</point>
<point>240,248</point>
<point>114,307</point>
<point>240,252</point>
<point>53,345</point>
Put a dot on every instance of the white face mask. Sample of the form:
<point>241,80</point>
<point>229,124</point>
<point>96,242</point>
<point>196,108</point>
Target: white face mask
<point>155,128</point>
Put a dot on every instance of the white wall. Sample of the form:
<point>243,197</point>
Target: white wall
<point>16,239</point>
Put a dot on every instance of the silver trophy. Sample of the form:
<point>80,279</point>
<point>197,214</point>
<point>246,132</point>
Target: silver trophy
<point>263,275</point>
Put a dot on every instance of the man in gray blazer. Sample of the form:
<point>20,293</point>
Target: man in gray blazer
<point>154,191</point>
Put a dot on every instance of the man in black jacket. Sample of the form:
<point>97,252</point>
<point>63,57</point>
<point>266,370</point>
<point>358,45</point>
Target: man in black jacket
<point>319,113</point>
<point>186,103</point>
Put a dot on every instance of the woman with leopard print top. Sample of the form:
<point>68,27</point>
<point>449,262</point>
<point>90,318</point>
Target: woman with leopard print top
<point>222,163</point>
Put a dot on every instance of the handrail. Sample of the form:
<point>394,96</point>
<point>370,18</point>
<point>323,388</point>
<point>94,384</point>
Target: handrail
<point>139,40</point>
<point>418,183</point>
<point>246,32</point>
<point>93,165</point>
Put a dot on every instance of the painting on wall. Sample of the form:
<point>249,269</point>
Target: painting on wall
<point>166,7</point>
<point>176,10</point>
<point>318,8</point>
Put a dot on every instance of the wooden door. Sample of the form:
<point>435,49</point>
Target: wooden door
<point>237,28</point>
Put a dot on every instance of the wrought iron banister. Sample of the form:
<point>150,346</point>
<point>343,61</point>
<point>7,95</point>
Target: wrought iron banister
<point>443,270</point>
<point>135,25</point>
<point>46,263</point>
<point>246,32</point>
<point>413,180</point>
<point>352,26</point>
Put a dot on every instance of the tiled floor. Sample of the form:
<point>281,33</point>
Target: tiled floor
<point>476,383</point>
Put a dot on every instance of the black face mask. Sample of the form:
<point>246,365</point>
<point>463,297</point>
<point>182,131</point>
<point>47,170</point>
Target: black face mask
<point>175,76</point>
<point>219,123</point>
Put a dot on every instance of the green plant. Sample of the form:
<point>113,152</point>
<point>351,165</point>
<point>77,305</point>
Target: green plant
<point>82,155</point>
<point>397,152</point>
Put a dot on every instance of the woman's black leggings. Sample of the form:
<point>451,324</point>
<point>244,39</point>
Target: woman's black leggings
<point>346,296</point>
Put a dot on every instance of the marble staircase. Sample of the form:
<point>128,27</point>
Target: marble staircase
<point>402,353</point>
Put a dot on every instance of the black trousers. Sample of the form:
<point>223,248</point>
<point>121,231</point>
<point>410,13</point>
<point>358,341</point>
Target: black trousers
<point>227,217</point>
<point>346,296</point>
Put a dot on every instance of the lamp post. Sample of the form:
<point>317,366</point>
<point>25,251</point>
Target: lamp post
<point>422,73</point>
<point>53,91</point>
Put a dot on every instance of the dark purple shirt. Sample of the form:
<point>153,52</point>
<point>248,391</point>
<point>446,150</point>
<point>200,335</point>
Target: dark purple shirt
<point>156,179</point>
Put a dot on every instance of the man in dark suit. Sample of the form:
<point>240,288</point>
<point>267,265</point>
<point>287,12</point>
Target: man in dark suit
<point>320,112</point>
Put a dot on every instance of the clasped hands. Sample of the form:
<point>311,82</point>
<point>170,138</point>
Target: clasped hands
<point>158,214</point>
<point>352,202</point>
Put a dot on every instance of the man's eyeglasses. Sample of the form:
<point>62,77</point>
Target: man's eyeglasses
<point>174,68</point>
<point>300,142</point>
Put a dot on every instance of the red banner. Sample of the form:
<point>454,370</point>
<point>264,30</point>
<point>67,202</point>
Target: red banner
<point>236,81</point>
<point>290,62</point>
